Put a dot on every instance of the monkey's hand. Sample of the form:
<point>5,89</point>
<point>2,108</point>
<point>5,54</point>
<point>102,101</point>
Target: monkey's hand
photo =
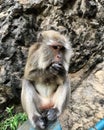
<point>40,122</point>
<point>52,114</point>
<point>57,68</point>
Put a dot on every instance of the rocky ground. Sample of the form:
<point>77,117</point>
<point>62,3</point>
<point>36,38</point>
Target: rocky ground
<point>83,22</point>
<point>87,105</point>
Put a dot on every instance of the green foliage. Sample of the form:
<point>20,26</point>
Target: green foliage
<point>13,120</point>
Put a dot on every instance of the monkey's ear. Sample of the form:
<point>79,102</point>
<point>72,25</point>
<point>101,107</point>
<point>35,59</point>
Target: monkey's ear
<point>39,37</point>
<point>62,30</point>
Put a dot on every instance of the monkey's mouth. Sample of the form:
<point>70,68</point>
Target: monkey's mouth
<point>57,65</point>
<point>57,68</point>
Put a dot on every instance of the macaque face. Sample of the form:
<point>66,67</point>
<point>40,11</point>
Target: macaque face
<point>55,51</point>
<point>58,52</point>
<point>57,63</point>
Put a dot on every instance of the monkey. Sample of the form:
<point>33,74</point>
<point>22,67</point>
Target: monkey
<point>45,85</point>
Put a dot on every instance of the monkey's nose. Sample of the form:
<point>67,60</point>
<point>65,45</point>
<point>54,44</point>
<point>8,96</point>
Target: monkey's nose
<point>58,56</point>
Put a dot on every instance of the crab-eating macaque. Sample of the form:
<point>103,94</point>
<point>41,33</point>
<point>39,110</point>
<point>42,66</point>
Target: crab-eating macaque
<point>46,86</point>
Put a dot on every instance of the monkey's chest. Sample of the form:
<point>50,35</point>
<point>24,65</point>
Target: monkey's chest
<point>46,94</point>
<point>46,90</point>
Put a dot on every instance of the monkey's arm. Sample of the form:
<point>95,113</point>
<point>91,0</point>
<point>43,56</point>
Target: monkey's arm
<point>32,75</point>
<point>63,93</point>
<point>30,103</point>
<point>60,99</point>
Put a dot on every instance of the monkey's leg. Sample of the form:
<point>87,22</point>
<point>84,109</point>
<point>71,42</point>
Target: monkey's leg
<point>30,103</point>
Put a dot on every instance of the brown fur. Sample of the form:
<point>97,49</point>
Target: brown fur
<point>46,84</point>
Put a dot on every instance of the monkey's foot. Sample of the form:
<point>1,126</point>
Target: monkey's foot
<point>40,122</point>
<point>52,114</point>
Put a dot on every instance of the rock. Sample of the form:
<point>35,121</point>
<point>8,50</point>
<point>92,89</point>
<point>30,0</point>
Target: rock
<point>98,79</point>
<point>6,96</point>
<point>20,25</point>
<point>87,106</point>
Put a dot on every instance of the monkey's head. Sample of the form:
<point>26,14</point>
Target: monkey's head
<point>55,51</point>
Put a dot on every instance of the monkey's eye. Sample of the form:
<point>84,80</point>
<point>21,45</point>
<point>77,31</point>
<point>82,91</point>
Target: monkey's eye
<point>55,47</point>
<point>62,49</point>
